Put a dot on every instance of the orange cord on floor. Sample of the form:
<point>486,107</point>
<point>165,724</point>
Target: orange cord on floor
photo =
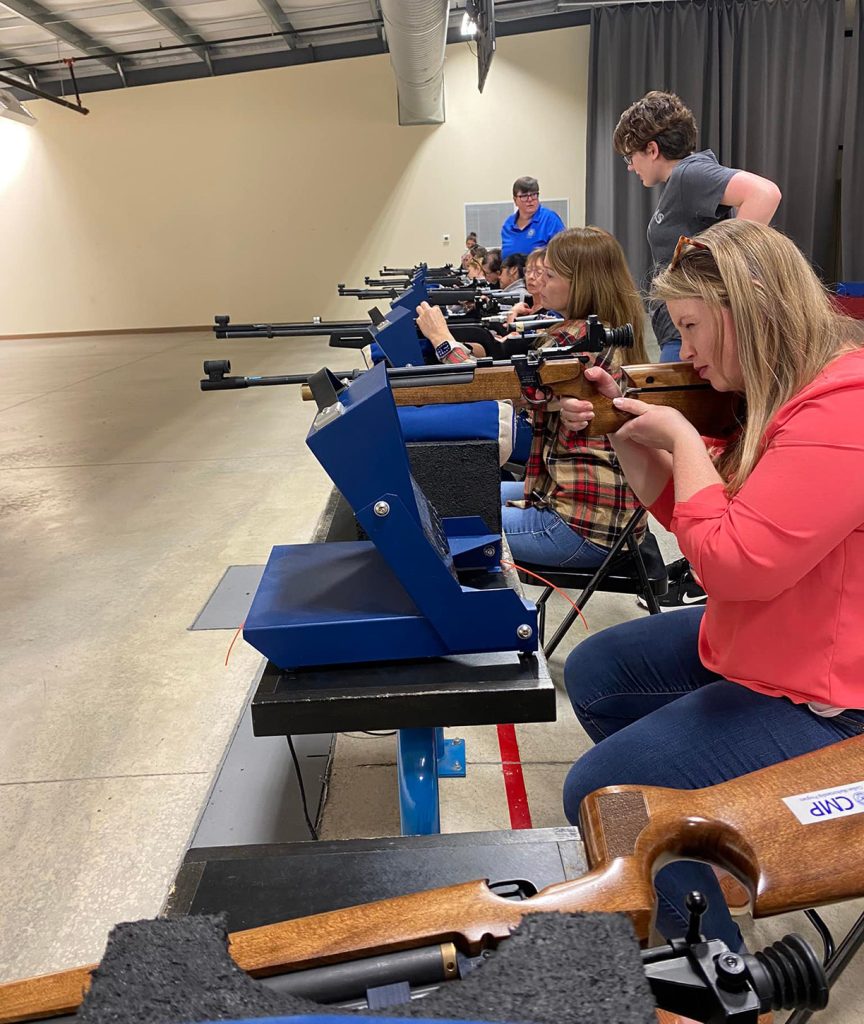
<point>563,593</point>
<point>234,641</point>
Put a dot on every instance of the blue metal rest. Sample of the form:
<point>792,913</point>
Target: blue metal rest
<point>397,596</point>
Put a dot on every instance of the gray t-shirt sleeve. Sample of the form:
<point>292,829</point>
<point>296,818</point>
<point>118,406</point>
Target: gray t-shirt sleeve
<point>703,183</point>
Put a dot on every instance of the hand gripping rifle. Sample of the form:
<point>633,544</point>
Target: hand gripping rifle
<point>791,833</point>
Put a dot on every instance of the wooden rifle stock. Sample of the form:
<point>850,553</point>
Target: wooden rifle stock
<point>677,385</point>
<point>629,831</point>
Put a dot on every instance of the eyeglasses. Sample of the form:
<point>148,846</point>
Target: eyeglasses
<point>527,195</point>
<point>679,249</point>
<point>533,271</point>
<point>628,159</point>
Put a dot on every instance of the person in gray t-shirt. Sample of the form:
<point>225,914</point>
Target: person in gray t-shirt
<point>657,137</point>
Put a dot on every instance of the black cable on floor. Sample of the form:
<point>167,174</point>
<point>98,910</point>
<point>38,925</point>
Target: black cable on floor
<point>312,831</point>
<point>369,732</point>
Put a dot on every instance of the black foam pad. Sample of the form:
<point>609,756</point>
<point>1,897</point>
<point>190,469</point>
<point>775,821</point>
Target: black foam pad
<point>460,478</point>
<point>556,969</point>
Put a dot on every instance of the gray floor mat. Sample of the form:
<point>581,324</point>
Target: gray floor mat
<point>229,603</point>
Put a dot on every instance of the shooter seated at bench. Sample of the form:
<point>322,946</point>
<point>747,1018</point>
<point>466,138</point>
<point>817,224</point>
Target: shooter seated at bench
<point>575,501</point>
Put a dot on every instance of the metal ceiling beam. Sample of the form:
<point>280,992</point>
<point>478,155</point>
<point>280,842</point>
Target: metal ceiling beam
<point>11,63</point>
<point>227,65</point>
<point>178,28</point>
<point>279,18</point>
<point>54,25</point>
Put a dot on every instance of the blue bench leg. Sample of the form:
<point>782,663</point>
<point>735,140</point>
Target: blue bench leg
<point>417,766</point>
<point>421,756</point>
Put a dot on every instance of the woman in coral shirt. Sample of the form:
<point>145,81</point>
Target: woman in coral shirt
<point>773,665</point>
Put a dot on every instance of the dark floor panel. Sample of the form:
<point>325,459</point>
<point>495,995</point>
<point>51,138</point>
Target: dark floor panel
<point>258,885</point>
<point>256,798</point>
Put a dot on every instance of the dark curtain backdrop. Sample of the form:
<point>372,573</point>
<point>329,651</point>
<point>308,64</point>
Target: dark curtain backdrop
<point>852,197</point>
<point>764,79</point>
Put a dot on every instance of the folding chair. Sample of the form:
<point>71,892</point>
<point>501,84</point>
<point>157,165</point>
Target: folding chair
<point>629,568</point>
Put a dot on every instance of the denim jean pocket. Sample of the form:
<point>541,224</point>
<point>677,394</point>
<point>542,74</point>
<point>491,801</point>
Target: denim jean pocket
<point>575,550</point>
<point>852,721</point>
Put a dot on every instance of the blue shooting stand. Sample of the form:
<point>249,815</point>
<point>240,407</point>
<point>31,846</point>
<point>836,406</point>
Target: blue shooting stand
<point>395,597</point>
<point>395,338</point>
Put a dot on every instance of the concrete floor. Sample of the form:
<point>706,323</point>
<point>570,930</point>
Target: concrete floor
<point>126,492</point>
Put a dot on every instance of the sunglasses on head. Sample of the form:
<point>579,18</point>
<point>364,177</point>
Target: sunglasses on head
<point>684,241</point>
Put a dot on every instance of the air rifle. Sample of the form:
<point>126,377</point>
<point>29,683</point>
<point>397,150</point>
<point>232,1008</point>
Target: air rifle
<point>431,272</point>
<point>346,331</point>
<point>438,296</point>
<point>791,834</point>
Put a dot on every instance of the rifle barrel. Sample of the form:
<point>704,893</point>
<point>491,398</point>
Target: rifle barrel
<point>265,331</point>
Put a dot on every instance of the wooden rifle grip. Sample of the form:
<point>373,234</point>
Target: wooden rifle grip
<point>745,826</point>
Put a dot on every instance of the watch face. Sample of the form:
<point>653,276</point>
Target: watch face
<point>443,349</point>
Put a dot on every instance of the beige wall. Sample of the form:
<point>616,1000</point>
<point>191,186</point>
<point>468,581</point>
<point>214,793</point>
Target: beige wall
<point>255,194</point>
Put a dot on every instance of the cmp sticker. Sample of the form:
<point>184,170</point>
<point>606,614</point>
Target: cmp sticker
<point>827,804</point>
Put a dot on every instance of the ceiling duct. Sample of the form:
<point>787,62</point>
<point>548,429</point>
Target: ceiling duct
<point>417,35</point>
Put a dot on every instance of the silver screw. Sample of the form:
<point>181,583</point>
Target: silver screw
<point>488,551</point>
<point>524,632</point>
<point>457,766</point>
<point>381,508</point>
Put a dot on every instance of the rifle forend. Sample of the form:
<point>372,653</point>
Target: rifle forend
<point>745,826</point>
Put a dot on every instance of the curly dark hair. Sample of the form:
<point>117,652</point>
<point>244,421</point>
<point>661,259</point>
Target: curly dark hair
<point>659,117</point>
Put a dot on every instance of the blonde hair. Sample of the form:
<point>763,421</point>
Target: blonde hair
<point>600,281</point>
<point>786,326</point>
<point>535,256</point>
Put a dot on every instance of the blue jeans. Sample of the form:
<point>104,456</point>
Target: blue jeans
<point>670,351</point>
<point>541,536</point>
<point>660,718</point>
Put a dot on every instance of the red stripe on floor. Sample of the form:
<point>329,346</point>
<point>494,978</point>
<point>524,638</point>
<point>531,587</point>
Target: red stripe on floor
<point>514,781</point>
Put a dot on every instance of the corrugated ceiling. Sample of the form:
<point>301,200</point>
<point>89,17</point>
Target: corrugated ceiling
<point>120,43</point>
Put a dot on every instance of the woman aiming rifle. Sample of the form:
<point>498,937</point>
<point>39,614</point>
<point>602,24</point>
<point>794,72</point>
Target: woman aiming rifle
<point>575,501</point>
<point>773,523</point>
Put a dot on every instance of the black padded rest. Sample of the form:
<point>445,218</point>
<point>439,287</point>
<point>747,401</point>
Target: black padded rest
<point>556,969</point>
<point>620,578</point>
<point>472,334</point>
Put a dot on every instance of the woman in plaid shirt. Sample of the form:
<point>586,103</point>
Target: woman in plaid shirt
<point>575,501</point>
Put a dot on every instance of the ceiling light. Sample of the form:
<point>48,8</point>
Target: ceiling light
<point>469,27</point>
<point>11,108</point>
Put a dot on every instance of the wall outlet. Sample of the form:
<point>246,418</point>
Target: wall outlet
<point>445,238</point>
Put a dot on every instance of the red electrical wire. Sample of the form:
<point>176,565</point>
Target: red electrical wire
<point>563,593</point>
<point>228,655</point>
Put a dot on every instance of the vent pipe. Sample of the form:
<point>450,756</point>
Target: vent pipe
<point>416,36</point>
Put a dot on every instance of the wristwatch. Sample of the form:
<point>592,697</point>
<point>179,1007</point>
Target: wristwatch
<point>443,350</point>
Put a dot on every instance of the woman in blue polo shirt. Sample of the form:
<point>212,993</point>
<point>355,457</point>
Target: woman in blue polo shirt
<point>532,225</point>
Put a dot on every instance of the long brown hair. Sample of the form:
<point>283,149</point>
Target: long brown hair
<point>786,326</point>
<point>600,282</point>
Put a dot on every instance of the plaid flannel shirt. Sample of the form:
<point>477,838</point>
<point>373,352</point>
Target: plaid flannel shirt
<point>579,477</point>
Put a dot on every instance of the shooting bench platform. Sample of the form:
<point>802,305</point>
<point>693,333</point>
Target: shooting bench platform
<point>415,697</point>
